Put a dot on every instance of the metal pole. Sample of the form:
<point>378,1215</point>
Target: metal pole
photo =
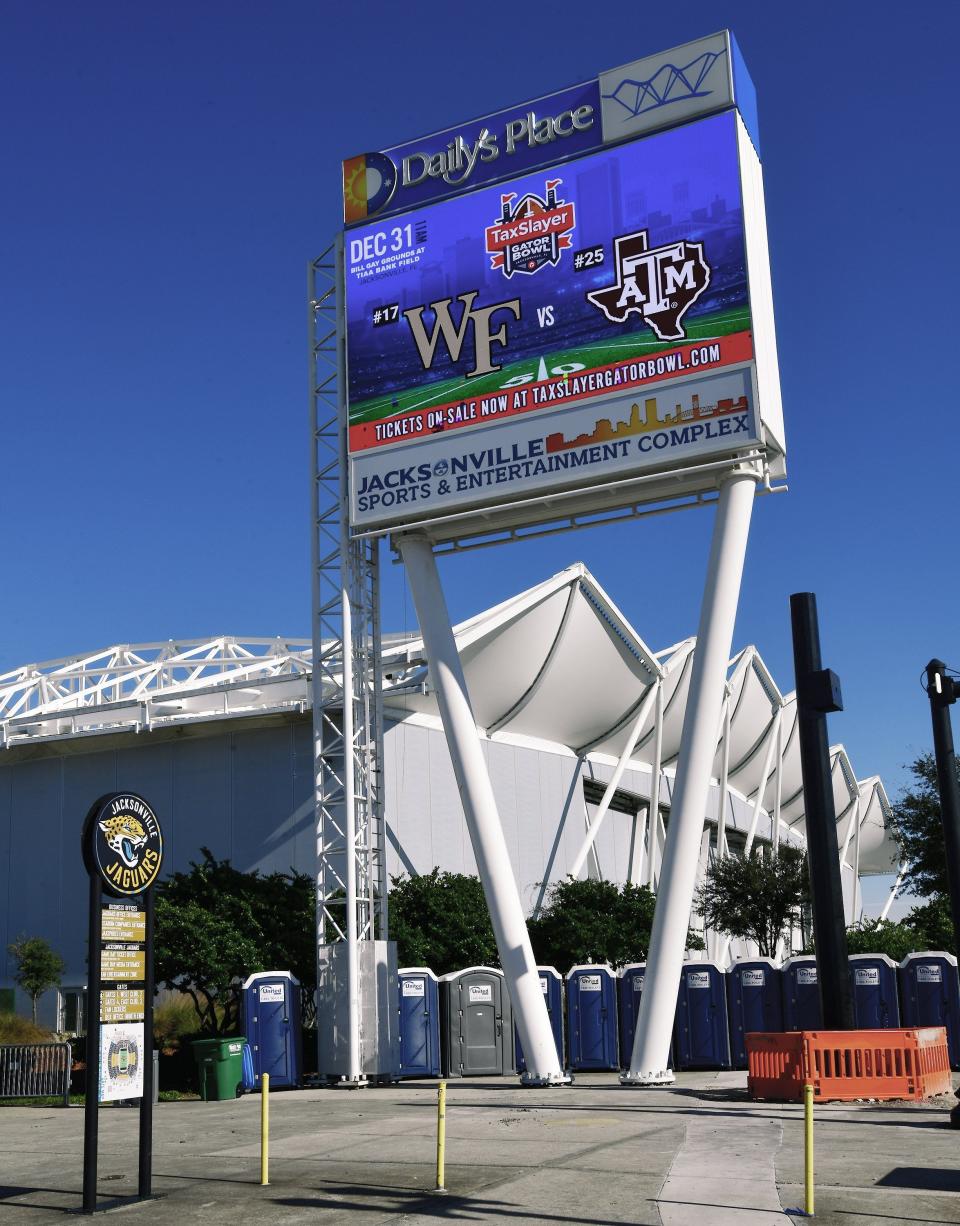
<point>778,791</point>
<point>480,810</point>
<point>441,1135</point>
<point>808,1149</point>
<point>637,839</point>
<point>856,866</point>
<point>893,893</point>
<point>942,692</point>
<point>265,1130</point>
<point>817,693</point>
<point>146,1102</point>
<point>91,1101</point>
<point>354,1076</point>
<point>651,1046</point>
<point>724,779</point>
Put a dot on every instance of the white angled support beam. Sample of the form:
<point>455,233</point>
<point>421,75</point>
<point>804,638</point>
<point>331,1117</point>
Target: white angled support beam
<point>724,779</point>
<point>855,891</point>
<point>355,1075</point>
<point>649,1061</point>
<point>635,733</point>
<point>637,841</point>
<point>480,810</point>
<point>762,787</point>
<point>778,787</point>
<point>653,826</point>
<point>893,893</point>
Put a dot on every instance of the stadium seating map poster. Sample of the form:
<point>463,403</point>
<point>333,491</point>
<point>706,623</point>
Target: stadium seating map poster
<point>575,326</point>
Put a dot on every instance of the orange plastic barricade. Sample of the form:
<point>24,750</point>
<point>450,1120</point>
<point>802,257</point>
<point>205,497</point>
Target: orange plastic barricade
<point>843,1065</point>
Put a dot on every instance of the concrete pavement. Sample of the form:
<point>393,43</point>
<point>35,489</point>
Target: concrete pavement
<point>699,1154</point>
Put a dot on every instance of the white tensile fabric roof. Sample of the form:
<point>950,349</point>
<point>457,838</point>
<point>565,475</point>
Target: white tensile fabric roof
<point>557,663</point>
<point>560,663</point>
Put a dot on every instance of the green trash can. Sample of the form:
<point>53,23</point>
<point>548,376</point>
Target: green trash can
<point>219,1067</point>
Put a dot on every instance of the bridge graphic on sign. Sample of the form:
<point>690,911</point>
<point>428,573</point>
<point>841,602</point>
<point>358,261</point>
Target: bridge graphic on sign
<point>668,84</point>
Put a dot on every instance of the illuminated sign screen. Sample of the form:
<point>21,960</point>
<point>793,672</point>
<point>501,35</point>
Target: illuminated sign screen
<point>576,326</point>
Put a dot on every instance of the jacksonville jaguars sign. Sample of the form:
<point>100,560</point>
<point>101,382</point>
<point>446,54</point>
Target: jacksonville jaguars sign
<point>123,843</point>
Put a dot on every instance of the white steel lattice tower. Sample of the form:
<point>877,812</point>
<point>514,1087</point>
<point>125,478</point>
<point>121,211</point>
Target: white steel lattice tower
<point>347,710</point>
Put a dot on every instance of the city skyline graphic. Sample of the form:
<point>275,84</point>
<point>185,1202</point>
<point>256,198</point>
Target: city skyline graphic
<point>605,431</point>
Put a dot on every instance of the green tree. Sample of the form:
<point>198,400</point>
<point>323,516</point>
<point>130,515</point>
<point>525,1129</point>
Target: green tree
<point>216,924</point>
<point>932,924</point>
<point>918,828</point>
<point>874,937</point>
<point>755,898</point>
<point>38,967</point>
<point>595,921</point>
<point>441,920</point>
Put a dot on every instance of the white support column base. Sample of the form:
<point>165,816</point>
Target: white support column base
<point>359,1082</point>
<point>535,1081</point>
<point>663,1077</point>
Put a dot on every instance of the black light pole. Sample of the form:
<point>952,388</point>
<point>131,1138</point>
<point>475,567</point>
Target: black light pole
<point>818,692</point>
<point>943,691</point>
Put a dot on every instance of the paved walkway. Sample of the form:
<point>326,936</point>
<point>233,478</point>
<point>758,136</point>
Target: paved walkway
<point>595,1154</point>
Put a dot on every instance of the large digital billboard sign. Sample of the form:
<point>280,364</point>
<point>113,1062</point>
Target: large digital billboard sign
<point>576,327</point>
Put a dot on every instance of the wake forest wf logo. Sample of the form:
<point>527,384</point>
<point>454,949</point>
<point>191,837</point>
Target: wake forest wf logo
<point>659,283</point>
<point>454,331</point>
<point>123,843</point>
<point>531,232</point>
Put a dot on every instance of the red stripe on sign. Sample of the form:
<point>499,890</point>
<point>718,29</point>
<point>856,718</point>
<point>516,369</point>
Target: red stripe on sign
<point>579,385</point>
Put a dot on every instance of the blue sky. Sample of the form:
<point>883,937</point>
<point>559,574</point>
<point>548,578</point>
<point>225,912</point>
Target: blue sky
<point>170,169</point>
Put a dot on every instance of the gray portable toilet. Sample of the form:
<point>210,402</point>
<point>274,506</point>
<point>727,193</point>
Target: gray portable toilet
<point>873,979</point>
<point>592,1017</point>
<point>551,985</point>
<point>419,1008</point>
<point>271,1022</point>
<point>754,1003</point>
<point>476,1023</point>
<point>930,995</point>
<point>801,994</point>
<point>701,1038</point>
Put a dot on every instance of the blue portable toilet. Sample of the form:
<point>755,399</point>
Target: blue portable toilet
<point>801,994</point>
<point>873,978</point>
<point>592,1017</point>
<point>419,1008</point>
<point>551,985</point>
<point>629,992</point>
<point>754,1002</point>
<point>271,1022</point>
<point>700,1031</point>
<point>930,995</point>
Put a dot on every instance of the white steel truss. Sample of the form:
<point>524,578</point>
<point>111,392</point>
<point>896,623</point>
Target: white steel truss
<point>347,704</point>
<point>144,685</point>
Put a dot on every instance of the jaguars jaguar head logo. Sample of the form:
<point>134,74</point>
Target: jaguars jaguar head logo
<point>126,836</point>
<point>123,843</point>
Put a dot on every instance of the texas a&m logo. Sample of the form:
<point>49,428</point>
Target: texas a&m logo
<point>660,284</point>
<point>531,232</point>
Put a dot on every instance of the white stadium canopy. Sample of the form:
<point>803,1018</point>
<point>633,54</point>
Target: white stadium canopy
<point>557,664</point>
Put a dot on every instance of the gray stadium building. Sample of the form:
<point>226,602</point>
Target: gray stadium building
<point>217,734</point>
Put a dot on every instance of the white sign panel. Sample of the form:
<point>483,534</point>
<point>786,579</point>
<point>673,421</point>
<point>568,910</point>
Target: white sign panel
<point>638,983</point>
<point>270,992</point>
<point>866,976</point>
<point>589,983</point>
<point>753,979</point>
<point>412,987</point>
<point>480,994</point>
<point>121,1061</point>
<point>543,985</point>
<point>929,974</point>
<point>806,974</point>
<point>698,979</point>
<point>667,88</point>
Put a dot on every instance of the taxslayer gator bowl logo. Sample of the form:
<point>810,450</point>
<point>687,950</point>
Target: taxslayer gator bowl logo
<point>369,182</point>
<point>659,283</point>
<point>123,843</point>
<point>531,232</point>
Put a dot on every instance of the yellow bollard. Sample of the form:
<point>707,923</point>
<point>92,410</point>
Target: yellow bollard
<point>441,1133</point>
<point>808,1149</point>
<point>265,1130</point>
